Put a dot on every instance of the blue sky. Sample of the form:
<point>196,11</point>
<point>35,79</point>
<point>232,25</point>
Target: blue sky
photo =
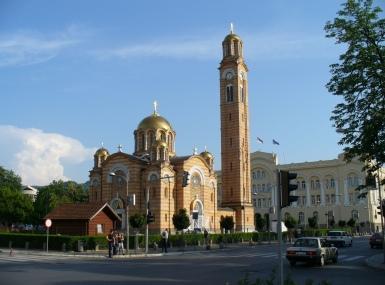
<point>74,74</point>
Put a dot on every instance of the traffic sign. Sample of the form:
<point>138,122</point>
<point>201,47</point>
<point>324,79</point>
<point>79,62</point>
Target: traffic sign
<point>48,223</point>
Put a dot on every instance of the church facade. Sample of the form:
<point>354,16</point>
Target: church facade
<point>154,172</point>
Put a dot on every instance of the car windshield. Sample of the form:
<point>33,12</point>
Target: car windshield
<point>335,234</point>
<point>306,243</point>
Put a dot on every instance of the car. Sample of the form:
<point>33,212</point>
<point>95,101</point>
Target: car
<point>339,238</point>
<point>376,240</point>
<point>311,250</point>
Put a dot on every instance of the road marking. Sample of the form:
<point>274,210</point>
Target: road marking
<point>354,258</point>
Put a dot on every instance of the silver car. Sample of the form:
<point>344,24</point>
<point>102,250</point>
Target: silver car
<point>311,249</point>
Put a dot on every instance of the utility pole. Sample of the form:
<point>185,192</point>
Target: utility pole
<point>279,227</point>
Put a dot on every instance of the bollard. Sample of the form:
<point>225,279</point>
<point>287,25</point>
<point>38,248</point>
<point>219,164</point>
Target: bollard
<point>96,247</point>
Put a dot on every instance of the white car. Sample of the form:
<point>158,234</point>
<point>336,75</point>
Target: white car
<point>339,238</point>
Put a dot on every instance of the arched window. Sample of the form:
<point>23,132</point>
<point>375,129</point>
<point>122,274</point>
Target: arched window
<point>229,93</point>
<point>170,142</point>
<point>241,93</point>
<point>355,215</point>
<point>196,180</point>
<point>151,139</point>
<point>162,136</point>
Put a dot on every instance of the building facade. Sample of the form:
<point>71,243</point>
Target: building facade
<point>326,190</point>
<point>154,172</point>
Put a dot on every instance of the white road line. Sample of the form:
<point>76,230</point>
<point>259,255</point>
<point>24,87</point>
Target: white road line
<point>354,258</point>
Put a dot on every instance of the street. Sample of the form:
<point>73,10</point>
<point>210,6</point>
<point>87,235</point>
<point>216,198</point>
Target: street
<point>226,266</point>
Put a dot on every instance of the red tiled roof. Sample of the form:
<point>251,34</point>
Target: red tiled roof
<point>78,211</point>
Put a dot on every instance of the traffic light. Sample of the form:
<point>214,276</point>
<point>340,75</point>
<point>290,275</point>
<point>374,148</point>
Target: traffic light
<point>286,198</point>
<point>185,178</point>
<point>150,218</point>
<point>382,205</point>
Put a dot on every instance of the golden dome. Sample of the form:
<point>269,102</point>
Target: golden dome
<point>154,122</point>
<point>102,152</point>
<point>206,155</point>
<point>230,37</point>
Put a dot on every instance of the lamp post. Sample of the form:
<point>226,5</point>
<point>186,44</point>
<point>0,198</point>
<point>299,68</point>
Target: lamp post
<point>112,174</point>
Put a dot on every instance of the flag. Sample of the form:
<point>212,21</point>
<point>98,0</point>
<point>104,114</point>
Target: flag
<point>259,140</point>
<point>275,142</point>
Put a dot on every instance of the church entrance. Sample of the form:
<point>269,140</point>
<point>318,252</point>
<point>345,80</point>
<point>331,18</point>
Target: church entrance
<point>196,217</point>
<point>117,205</point>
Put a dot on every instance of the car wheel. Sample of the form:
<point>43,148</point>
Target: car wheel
<point>292,262</point>
<point>322,260</point>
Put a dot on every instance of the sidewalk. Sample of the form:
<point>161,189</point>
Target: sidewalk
<point>376,261</point>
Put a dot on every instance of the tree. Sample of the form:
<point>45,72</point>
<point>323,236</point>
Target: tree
<point>137,221</point>
<point>9,179</point>
<point>15,207</point>
<point>259,222</point>
<point>359,78</point>
<point>227,223</point>
<point>313,222</point>
<point>181,220</point>
<point>351,223</point>
<point>341,223</point>
<point>290,222</point>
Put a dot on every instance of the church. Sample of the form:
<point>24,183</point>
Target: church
<point>156,175</point>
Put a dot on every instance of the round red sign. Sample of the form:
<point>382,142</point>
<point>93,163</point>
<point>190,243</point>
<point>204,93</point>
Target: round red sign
<point>48,223</point>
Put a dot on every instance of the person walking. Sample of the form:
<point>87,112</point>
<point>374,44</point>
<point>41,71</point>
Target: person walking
<point>111,240</point>
<point>206,237</point>
<point>120,243</point>
<point>164,240</point>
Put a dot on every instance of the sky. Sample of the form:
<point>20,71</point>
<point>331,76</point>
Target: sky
<point>76,74</point>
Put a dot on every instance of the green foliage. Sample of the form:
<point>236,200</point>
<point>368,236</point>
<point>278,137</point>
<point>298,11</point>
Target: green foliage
<point>9,179</point>
<point>341,223</point>
<point>351,223</point>
<point>181,220</point>
<point>15,207</point>
<point>57,192</point>
<point>313,222</point>
<point>227,223</point>
<point>290,222</point>
<point>259,222</point>
<point>137,221</point>
<point>359,78</point>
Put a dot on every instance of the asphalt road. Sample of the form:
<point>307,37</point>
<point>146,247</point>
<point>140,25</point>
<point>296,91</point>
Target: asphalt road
<point>226,266</point>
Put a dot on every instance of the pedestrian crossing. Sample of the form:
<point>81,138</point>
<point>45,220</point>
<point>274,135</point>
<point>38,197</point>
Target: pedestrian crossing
<point>267,255</point>
<point>16,258</point>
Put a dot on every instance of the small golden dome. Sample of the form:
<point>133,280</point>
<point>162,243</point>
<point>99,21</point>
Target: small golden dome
<point>102,152</point>
<point>154,122</point>
<point>230,37</point>
<point>206,155</point>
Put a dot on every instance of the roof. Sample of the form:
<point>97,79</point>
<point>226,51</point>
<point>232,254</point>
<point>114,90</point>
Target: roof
<point>79,211</point>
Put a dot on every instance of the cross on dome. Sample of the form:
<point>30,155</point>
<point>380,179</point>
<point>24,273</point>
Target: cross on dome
<point>155,108</point>
<point>231,28</point>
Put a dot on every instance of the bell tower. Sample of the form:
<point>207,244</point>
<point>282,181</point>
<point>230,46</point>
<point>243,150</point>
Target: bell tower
<point>236,190</point>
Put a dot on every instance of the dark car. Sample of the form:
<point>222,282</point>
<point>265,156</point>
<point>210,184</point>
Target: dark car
<point>376,240</point>
<point>311,249</point>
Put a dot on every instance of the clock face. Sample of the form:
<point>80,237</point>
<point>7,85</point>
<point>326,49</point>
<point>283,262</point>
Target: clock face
<point>229,75</point>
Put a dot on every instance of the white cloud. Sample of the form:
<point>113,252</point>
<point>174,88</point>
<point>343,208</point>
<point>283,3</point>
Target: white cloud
<point>176,49</point>
<point>27,48</point>
<point>38,156</point>
<point>257,46</point>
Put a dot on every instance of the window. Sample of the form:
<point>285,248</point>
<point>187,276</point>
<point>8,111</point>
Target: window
<point>355,215</point>
<point>327,199</point>
<point>255,202</point>
<point>313,199</point>
<point>254,188</point>
<point>229,93</point>
<point>165,192</point>
<point>332,199</point>
<point>241,93</point>
<point>315,215</point>
<point>301,218</point>
<point>254,176</point>
<point>303,184</point>
<point>196,180</point>
<point>263,188</point>
<point>332,183</point>
<point>317,184</point>
<point>259,203</point>
<point>318,199</point>
<point>99,228</point>
<point>350,198</point>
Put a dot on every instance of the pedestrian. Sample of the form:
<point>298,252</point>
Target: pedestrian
<point>111,240</point>
<point>120,243</point>
<point>164,240</point>
<point>206,236</point>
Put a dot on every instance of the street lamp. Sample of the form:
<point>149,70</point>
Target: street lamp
<point>112,174</point>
